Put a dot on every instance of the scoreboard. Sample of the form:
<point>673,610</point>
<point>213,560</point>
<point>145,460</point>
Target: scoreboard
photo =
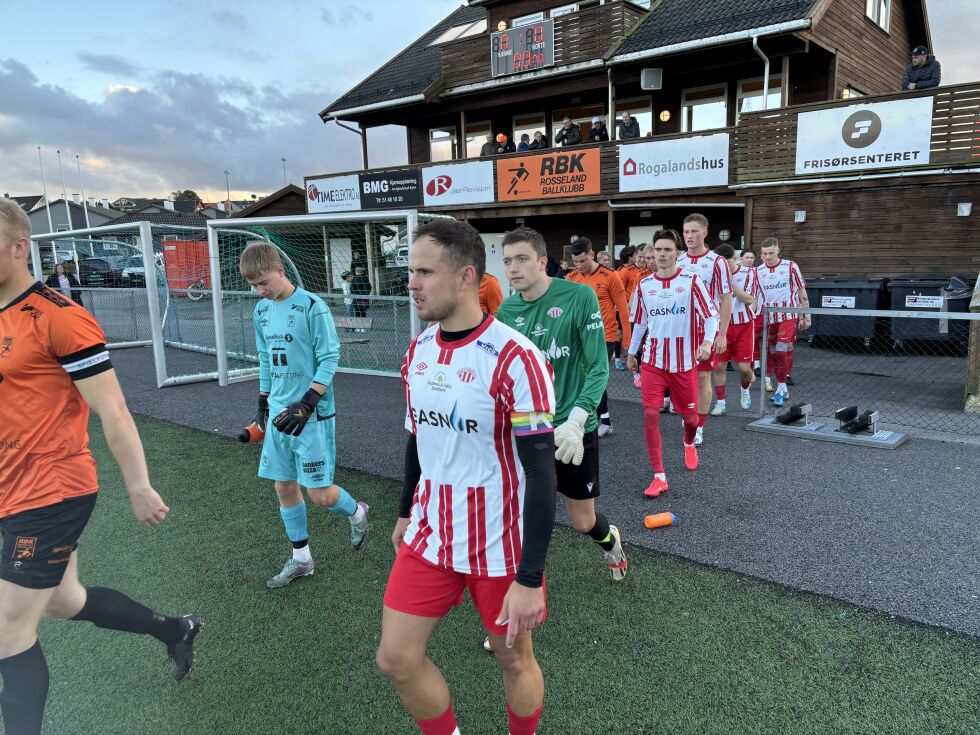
<point>524,48</point>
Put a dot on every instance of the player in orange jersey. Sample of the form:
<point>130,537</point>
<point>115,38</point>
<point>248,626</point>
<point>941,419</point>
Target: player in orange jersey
<point>491,297</point>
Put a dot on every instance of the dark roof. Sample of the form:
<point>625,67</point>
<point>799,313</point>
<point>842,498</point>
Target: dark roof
<point>28,203</point>
<point>256,207</point>
<point>164,218</point>
<point>678,21</point>
<point>411,72</point>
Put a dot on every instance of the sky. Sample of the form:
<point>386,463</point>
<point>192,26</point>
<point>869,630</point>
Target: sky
<point>155,97</point>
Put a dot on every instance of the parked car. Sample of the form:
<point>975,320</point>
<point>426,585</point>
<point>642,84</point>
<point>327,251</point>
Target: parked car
<point>401,257</point>
<point>99,272</point>
<point>134,271</point>
<point>47,257</point>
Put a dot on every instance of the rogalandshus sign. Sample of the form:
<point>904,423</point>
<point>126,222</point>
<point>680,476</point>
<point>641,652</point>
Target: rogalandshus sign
<point>864,137</point>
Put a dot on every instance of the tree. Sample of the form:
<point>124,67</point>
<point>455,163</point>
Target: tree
<point>185,195</point>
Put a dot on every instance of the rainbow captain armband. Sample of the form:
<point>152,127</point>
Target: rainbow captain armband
<point>536,422</point>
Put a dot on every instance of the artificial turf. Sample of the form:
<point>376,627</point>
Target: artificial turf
<point>676,648</point>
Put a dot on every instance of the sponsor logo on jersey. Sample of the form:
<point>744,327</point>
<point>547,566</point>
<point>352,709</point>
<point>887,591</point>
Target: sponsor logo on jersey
<point>674,310</point>
<point>519,321</point>
<point>452,421</point>
<point>24,547</point>
<point>311,467</point>
<point>555,352</point>
<point>426,338</point>
<point>5,346</point>
<point>488,348</point>
<point>595,325</point>
<point>298,307</point>
<point>420,368</point>
<point>679,289</point>
<point>596,315</point>
<point>467,375</point>
<point>291,321</point>
<point>555,311</point>
<point>665,294</point>
<point>538,331</point>
<point>7,445</point>
<point>439,383</point>
<point>775,284</point>
<point>32,311</point>
<point>263,309</point>
<point>588,486</point>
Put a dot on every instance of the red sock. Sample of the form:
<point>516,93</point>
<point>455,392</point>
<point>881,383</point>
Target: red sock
<point>651,431</point>
<point>746,383</point>
<point>789,362</point>
<point>444,724</point>
<point>690,427</point>
<point>702,417</point>
<point>523,725</point>
<point>720,392</point>
<point>779,366</point>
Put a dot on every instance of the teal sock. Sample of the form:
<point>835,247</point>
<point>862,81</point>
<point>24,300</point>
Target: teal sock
<point>345,505</point>
<point>294,519</point>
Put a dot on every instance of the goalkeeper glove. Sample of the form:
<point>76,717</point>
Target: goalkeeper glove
<point>568,437</point>
<point>293,417</point>
<point>262,417</point>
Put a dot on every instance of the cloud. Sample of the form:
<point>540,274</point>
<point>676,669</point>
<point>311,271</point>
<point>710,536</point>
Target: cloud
<point>108,64</point>
<point>346,16</point>
<point>177,130</point>
<point>230,19</point>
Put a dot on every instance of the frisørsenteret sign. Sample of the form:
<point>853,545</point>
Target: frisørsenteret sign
<point>864,137</point>
<point>524,48</point>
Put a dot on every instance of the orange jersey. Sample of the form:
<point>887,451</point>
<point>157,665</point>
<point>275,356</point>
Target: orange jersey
<point>630,276</point>
<point>612,300</point>
<point>491,297</point>
<point>46,342</point>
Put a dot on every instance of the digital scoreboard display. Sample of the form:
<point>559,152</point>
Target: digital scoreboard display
<point>524,48</point>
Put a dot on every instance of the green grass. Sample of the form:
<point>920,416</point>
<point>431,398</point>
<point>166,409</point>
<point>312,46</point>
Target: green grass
<point>677,648</point>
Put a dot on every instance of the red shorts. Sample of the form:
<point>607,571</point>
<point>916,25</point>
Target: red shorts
<point>418,587</point>
<point>759,322</point>
<point>709,365</point>
<point>783,333</point>
<point>741,343</point>
<point>683,388</point>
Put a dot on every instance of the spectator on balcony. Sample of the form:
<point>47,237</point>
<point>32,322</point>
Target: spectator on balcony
<point>539,141</point>
<point>629,127</point>
<point>924,71</point>
<point>569,134</point>
<point>504,145</point>
<point>489,148</point>
<point>599,132</point>
<point>525,143</point>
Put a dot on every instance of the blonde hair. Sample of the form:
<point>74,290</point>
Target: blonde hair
<point>13,220</point>
<point>699,218</point>
<point>258,258</point>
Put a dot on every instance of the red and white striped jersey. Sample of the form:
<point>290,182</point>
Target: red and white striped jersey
<point>713,271</point>
<point>673,312</point>
<point>747,280</point>
<point>781,284</point>
<point>467,401</point>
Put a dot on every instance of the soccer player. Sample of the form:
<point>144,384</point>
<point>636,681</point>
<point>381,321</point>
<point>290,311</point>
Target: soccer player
<point>612,304</point>
<point>478,501</point>
<point>491,297</point>
<point>54,368</point>
<point>562,319</point>
<point>669,306</point>
<point>712,269</point>
<point>298,354</point>
<point>748,261</point>
<point>741,332</point>
<point>629,270</point>
<point>782,285</point>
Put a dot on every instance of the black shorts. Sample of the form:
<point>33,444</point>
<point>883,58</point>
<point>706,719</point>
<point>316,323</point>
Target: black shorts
<point>581,482</point>
<point>38,543</point>
<point>611,349</point>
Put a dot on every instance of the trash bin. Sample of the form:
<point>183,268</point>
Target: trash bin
<point>845,294</point>
<point>930,295</point>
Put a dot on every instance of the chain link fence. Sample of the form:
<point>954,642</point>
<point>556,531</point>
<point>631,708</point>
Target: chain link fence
<point>916,368</point>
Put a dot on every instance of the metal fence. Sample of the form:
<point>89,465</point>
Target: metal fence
<point>915,368</point>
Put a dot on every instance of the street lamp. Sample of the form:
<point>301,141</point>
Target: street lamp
<point>228,189</point>
<point>284,183</point>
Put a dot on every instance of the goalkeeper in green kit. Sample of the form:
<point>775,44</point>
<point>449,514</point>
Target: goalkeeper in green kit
<point>564,320</point>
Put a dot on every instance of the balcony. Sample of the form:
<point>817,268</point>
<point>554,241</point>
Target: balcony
<point>579,37</point>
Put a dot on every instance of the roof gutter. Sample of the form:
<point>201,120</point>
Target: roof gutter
<point>337,114</point>
<point>676,48</point>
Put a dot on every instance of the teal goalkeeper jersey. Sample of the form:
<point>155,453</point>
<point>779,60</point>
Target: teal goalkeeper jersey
<point>566,325</point>
<point>298,346</point>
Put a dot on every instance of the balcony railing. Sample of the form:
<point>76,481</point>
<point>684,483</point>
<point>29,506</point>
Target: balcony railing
<point>581,36</point>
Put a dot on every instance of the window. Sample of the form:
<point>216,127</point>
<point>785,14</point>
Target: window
<point>581,115</point>
<point>880,11</point>
<point>476,136</point>
<point>529,124</point>
<point>704,108</point>
<point>562,10</point>
<point>750,95</point>
<point>462,31</point>
<point>442,144</point>
<point>639,108</point>
<point>527,19</point>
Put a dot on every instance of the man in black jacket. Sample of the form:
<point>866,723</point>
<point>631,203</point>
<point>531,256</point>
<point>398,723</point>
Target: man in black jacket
<point>598,132</point>
<point>489,148</point>
<point>64,282</point>
<point>360,285</point>
<point>504,145</point>
<point>629,127</point>
<point>924,71</point>
<point>569,134</point>
<point>539,142</point>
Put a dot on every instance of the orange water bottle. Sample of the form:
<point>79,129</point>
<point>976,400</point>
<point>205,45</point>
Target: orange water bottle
<point>659,520</point>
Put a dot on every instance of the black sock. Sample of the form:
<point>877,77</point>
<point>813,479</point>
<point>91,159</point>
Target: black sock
<point>108,608</point>
<point>300,544</point>
<point>600,532</point>
<point>25,689</point>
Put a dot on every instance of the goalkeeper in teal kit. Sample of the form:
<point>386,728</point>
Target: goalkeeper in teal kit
<point>298,354</point>
<point>565,322</point>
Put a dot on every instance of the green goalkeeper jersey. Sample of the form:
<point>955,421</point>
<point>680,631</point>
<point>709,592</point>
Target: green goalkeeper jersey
<point>566,325</point>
